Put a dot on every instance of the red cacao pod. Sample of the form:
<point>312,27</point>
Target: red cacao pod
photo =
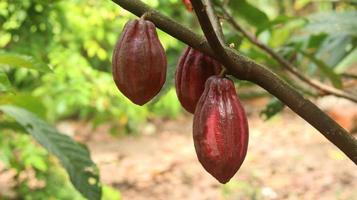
<point>220,129</point>
<point>188,4</point>
<point>139,62</point>
<point>193,70</point>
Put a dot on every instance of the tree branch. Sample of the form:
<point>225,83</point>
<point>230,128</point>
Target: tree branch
<point>349,76</point>
<point>285,63</point>
<point>214,21</point>
<point>246,69</point>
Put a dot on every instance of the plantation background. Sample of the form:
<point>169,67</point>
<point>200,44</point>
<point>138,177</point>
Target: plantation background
<point>55,62</point>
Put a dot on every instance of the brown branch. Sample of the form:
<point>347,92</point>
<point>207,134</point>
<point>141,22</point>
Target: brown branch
<point>246,69</point>
<point>216,26</point>
<point>214,21</point>
<point>349,76</point>
<point>325,89</point>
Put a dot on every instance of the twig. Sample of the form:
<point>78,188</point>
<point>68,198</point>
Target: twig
<point>246,69</point>
<point>214,21</point>
<point>325,89</point>
<point>349,76</point>
<point>217,28</point>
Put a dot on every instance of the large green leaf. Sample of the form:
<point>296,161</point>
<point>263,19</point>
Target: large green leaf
<point>334,49</point>
<point>333,23</point>
<point>348,61</point>
<point>17,60</point>
<point>26,101</point>
<point>326,70</point>
<point>248,12</point>
<point>74,157</point>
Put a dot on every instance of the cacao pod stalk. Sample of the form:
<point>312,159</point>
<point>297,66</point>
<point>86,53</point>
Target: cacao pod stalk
<point>139,62</point>
<point>220,129</point>
<point>192,71</point>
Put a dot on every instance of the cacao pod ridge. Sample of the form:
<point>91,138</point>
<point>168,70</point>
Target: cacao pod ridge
<point>139,62</point>
<point>220,129</point>
<point>192,71</point>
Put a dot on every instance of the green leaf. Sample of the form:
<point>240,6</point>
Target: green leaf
<point>333,23</point>
<point>5,84</point>
<point>282,19</point>
<point>315,41</point>
<point>17,60</point>
<point>334,49</point>
<point>349,61</point>
<point>110,193</point>
<point>32,104</point>
<point>74,157</point>
<point>248,12</point>
<point>334,77</point>
<point>11,125</point>
<point>274,107</point>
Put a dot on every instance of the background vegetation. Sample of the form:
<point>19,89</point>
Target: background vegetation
<point>55,64</point>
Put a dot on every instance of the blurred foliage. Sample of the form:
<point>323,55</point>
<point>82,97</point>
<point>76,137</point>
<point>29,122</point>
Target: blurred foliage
<point>316,36</point>
<point>76,38</point>
<point>167,106</point>
<point>55,62</point>
<point>273,108</point>
<point>37,174</point>
<point>241,190</point>
<point>74,157</point>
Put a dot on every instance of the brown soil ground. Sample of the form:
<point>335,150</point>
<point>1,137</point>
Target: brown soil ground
<point>287,159</point>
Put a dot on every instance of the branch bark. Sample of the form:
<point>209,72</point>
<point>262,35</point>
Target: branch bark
<point>246,69</point>
<point>285,63</point>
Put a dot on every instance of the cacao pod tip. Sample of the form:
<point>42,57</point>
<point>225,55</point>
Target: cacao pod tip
<point>223,181</point>
<point>139,103</point>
